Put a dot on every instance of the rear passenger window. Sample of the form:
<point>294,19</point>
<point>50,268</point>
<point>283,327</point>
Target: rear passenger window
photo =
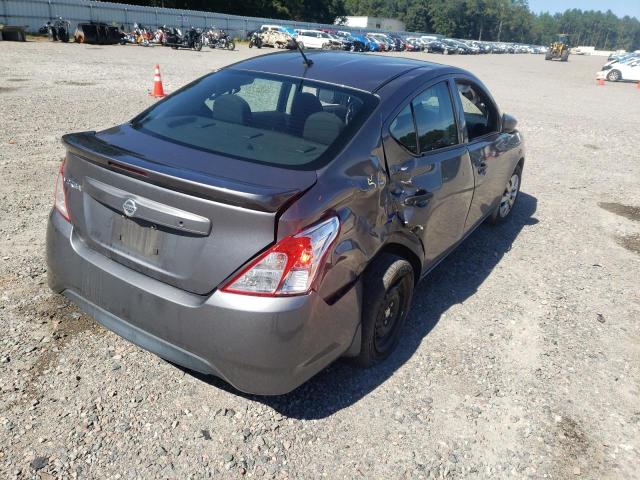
<point>480,115</point>
<point>434,118</point>
<point>403,130</point>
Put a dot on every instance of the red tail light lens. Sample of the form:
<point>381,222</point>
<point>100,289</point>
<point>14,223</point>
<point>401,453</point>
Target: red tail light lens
<point>289,267</point>
<point>60,200</point>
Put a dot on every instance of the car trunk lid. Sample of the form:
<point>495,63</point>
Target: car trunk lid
<point>185,217</point>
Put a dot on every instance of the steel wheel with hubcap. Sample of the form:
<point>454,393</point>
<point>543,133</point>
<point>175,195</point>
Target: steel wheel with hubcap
<point>509,197</point>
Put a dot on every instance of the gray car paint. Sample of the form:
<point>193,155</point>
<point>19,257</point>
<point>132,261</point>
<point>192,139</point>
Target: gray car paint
<point>265,345</point>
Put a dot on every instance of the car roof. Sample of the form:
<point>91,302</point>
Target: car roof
<point>356,70</point>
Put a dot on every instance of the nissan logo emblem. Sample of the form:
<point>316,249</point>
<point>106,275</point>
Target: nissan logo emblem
<point>129,207</point>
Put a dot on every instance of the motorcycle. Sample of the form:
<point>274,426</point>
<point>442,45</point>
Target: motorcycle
<point>218,38</point>
<point>255,40</point>
<point>160,35</point>
<point>139,36</point>
<point>58,30</point>
<point>192,38</point>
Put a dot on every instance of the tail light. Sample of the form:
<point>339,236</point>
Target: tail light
<point>291,266</point>
<point>60,201</point>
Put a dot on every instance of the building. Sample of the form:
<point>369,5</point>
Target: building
<point>366,23</point>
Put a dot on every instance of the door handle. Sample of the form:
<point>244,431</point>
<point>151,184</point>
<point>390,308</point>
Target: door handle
<point>405,167</point>
<point>419,199</point>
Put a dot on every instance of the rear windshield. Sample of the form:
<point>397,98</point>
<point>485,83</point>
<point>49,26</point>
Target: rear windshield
<point>275,120</point>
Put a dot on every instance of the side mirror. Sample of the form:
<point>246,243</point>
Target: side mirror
<point>509,123</point>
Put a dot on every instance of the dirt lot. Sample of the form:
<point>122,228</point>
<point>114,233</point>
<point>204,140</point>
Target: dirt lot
<point>521,358</point>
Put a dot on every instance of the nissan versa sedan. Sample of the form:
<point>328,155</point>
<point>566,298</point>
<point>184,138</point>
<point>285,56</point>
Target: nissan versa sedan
<point>277,214</point>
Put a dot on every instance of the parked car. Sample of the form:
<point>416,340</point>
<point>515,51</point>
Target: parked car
<point>258,240</point>
<point>314,39</point>
<point>358,43</point>
<point>399,44</point>
<point>623,70</point>
<point>374,44</point>
<point>414,44</point>
<point>275,36</point>
<point>339,43</point>
<point>616,55</point>
<point>455,46</point>
<point>385,42</point>
<point>620,59</point>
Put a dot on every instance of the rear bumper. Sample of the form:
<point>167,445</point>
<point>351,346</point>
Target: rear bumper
<point>264,346</point>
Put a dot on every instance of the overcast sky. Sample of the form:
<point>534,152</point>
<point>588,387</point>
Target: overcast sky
<point>619,7</point>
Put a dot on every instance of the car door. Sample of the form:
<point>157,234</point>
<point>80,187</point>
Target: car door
<point>304,38</point>
<point>480,120</point>
<point>632,71</point>
<point>431,180</point>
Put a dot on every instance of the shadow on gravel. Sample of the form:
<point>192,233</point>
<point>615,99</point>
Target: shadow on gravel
<point>453,281</point>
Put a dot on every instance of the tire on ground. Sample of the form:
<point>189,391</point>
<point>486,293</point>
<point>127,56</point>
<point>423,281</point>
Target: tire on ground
<point>387,279</point>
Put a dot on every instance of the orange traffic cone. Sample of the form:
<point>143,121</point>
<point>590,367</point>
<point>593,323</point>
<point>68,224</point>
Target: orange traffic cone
<point>601,82</point>
<point>158,91</point>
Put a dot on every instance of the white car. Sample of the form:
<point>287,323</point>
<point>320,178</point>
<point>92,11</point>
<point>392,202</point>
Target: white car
<point>622,71</point>
<point>313,39</point>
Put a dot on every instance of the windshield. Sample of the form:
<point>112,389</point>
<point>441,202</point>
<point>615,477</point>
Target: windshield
<point>263,118</point>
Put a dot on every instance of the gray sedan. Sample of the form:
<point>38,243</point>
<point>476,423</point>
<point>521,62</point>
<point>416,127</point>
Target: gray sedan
<point>277,214</point>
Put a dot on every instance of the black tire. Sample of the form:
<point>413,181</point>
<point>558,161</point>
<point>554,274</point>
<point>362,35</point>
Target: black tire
<point>564,56</point>
<point>231,45</point>
<point>53,35</point>
<point>197,46</point>
<point>500,214</point>
<point>548,56</point>
<point>614,75</point>
<point>387,291</point>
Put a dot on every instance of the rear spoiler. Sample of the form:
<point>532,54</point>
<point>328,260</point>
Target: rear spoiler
<point>220,189</point>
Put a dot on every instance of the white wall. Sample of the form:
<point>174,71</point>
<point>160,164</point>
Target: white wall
<point>378,23</point>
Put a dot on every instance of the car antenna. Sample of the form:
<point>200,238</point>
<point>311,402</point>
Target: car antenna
<point>307,61</point>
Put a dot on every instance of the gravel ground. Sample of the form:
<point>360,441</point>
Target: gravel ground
<point>521,357</point>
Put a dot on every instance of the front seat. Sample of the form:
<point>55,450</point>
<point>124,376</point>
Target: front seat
<point>231,109</point>
<point>303,105</point>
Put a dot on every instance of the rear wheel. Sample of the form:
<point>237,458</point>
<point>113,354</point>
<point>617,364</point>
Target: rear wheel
<point>564,56</point>
<point>388,289</point>
<point>614,75</point>
<point>509,197</point>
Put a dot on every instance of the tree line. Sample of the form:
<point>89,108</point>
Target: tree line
<point>496,20</point>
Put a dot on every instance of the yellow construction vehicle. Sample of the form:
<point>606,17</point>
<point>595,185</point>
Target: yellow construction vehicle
<point>559,50</point>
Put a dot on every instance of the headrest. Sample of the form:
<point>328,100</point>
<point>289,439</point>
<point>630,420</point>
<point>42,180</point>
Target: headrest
<point>322,127</point>
<point>305,103</point>
<point>231,108</point>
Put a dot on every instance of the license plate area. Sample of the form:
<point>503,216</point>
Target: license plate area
<point>136,237</point>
